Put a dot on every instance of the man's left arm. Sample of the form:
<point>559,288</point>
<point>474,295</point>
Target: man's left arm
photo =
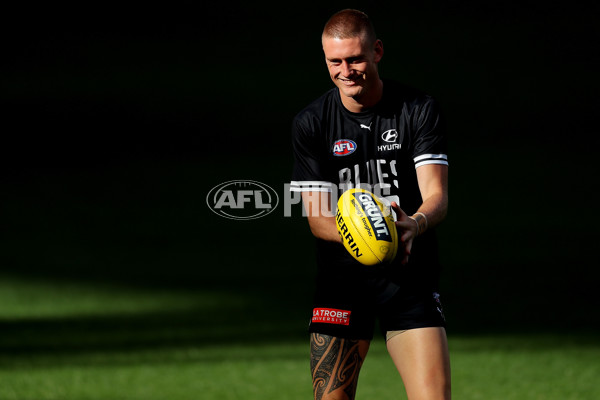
<point>433,185</point>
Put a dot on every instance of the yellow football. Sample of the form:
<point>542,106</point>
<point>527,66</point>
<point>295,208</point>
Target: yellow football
<point>366,226</point>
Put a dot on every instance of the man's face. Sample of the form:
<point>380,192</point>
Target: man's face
<point>352,65</point>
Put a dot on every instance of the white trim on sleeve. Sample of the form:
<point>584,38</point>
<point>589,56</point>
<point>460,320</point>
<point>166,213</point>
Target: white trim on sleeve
<point>310,186</point>
<point>425,159</point>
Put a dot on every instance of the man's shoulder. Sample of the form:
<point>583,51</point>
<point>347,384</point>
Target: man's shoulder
<point>319,107</point>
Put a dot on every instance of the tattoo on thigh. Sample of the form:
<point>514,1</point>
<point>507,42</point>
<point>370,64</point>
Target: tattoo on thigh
<point>335,364</point>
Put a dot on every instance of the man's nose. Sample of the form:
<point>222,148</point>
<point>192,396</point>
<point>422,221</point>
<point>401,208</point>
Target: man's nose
<point>345,68</point>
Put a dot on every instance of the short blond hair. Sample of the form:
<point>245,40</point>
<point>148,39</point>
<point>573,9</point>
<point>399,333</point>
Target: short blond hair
<point>350,23</point>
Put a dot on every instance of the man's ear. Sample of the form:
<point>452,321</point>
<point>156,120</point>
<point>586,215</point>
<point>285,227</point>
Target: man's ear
<point>378,49</point>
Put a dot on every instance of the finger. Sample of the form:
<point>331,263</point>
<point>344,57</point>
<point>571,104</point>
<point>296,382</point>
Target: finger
<point>405,259</point>
<point>407,252</point>
<point>406,236</point>
<point>400,215</point>
<point>405,224</point>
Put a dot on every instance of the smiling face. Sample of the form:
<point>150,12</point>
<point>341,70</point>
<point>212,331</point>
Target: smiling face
<point>352,65</point>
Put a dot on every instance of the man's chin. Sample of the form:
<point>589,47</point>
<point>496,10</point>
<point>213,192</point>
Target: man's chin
<point>354,91</point>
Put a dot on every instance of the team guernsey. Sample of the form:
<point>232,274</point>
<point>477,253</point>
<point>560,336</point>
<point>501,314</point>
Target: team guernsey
<point>380,150</point>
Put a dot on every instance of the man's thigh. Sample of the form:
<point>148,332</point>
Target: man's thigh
<point>421,357</point>
<point>335,364</point>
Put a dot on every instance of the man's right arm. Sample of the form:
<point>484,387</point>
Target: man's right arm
<point>321,217</point>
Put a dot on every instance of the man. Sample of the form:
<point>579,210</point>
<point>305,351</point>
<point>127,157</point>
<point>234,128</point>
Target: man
<point>389,138</point>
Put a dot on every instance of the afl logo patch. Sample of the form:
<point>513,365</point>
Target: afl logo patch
<point>344,147</point>
<point>390,136</point>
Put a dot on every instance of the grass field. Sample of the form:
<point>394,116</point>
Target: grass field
<point>101,341</point>
<point>111,289</point>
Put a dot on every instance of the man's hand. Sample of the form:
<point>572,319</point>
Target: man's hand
<point>407,231</point>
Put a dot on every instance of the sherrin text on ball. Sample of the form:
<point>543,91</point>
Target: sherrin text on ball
<point>366,227</point>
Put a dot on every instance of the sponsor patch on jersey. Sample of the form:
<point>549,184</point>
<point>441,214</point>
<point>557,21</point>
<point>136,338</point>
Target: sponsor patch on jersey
<point>331,316</point>
<point>390,135</point>
<point>344,147</point>
<point>393,139</point>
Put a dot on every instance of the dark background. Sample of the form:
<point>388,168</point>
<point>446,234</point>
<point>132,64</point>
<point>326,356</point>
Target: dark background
<point>116,121</point>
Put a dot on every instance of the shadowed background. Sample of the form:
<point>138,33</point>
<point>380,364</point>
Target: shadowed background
<point>118,119</point>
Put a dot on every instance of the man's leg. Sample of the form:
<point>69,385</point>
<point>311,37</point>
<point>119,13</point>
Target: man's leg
<point>335,364</point>
<point>421,356</point>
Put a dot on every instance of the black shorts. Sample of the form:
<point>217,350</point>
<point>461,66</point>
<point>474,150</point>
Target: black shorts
<point>353,314</point>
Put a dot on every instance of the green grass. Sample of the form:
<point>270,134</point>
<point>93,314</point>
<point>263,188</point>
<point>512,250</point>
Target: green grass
<point>280,371</point>
<point>109,290</point>
<point>80,341</point>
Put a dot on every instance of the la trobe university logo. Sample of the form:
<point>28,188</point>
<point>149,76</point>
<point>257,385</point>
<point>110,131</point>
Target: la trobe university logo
<point>242,199</point>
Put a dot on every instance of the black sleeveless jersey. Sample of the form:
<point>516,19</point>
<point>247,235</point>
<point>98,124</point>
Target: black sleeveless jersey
<point>379,150</point>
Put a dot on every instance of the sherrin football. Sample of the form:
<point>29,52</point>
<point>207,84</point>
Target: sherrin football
<point>366,227</point>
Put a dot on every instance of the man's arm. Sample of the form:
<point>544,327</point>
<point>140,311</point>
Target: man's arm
<point>321,217</point>
<point>433,184</point>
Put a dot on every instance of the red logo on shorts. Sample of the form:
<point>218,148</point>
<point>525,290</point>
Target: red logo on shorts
<point>331,316</point>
